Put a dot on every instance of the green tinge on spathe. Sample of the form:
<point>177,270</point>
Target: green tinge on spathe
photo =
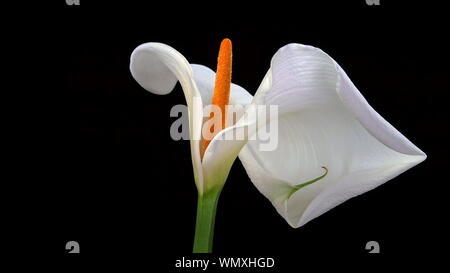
<point>299,186</point>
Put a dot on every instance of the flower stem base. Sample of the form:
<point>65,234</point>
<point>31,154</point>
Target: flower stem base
<point>204,227</point>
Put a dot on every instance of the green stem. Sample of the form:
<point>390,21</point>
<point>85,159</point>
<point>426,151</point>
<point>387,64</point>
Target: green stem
<point>206,216</point>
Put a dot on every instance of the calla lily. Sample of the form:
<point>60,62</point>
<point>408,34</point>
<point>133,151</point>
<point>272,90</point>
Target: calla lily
<point>332,145</point>
<point>323,121</point>
<point>157,68</point>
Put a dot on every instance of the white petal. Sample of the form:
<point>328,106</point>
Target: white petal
<point>157,68</point>
<point>370,119</point>
<point>220,156</point>
<point>324,122</point>
<point>225,147</point>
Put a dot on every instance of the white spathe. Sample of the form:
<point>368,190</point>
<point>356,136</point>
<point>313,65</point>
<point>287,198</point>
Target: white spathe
<point>323,121</point>
<point>157,68</point>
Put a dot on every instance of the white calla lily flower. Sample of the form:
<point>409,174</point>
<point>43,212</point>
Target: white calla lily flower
<point>323,121</point>
<point>332,145</point>
<point>157,68</point>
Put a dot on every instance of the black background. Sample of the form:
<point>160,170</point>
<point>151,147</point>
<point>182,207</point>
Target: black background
<point>101,168</point>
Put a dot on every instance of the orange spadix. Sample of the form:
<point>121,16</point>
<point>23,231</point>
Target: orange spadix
<point>221,96</point>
